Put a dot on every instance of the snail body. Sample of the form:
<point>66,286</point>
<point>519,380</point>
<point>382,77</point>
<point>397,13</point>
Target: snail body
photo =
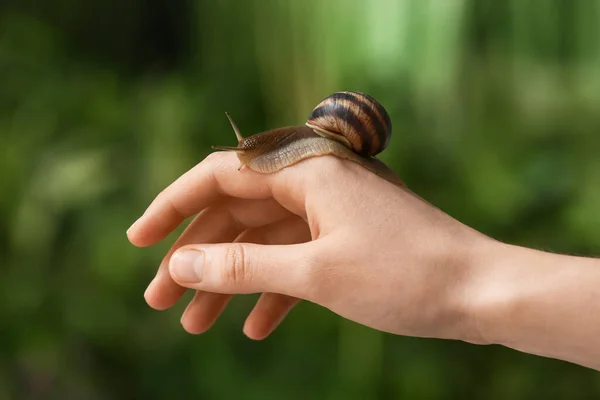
<point>349,125</point>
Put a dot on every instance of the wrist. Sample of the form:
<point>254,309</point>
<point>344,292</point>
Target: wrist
<point>479,297</point>
<point>493,290</point>
<point>535,302</point>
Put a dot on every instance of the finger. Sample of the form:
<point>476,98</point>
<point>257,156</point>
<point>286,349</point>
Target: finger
<point>213,178</point>
<point>272,308</point>
<point>243,268</point>
<point>204,309</point>
<point>268,313</point>
<point>222,223</point>
<point>163,292</point>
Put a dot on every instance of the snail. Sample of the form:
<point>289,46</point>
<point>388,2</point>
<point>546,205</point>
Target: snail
<point>349,125</point>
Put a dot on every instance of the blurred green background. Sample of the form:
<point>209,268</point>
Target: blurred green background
<point>496,112</point>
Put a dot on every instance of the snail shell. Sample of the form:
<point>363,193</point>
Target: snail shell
<point>355,119</point>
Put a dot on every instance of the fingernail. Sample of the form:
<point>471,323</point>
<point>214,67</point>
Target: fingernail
<point>186,265</point>
<point>133,226</point>
<point>149,288</point>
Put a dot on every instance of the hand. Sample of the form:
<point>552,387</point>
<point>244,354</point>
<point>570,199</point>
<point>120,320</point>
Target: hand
<point>331,232</point>
<point>325,230</point>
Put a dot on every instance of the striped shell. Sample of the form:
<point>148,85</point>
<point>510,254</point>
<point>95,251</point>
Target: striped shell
<point>355,119</point>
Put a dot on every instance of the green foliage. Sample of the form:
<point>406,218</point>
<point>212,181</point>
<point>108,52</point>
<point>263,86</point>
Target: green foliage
<point>495,107</point>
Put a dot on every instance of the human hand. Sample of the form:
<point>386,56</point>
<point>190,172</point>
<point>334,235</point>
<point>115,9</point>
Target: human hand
<point>327,231</point>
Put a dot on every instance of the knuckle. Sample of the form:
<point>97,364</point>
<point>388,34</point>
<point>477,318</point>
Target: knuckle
<point>328,169</point>
<point>328,163</point>
<point>165,199</point>
<point>215,157</point>
<point>220,161</point>
<point>236,270</point>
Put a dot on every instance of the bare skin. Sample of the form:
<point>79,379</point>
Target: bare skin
<point>331,232</point>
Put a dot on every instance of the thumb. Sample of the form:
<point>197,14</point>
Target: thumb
<point>242,268</point>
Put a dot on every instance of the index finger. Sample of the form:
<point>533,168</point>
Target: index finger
<point>215,177</point>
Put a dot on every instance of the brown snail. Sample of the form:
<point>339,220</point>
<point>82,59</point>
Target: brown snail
<point>349,125</point>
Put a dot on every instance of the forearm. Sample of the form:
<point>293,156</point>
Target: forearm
<point>540,303</point>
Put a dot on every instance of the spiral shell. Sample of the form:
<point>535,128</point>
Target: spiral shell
<point>355,119</point>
